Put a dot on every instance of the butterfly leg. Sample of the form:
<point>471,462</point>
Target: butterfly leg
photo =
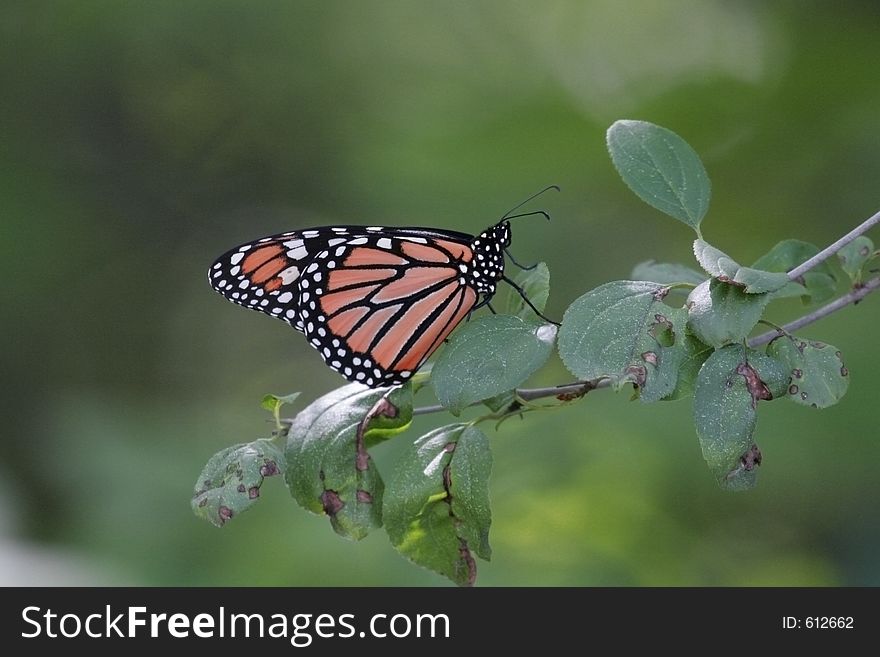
<point>528,302</point>
<point>523,267</point>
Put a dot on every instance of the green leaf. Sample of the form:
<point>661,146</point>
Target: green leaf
<point>720,313</point>
<point>817,285</point>
<point>231,480</point>
<point>536,285</point>
<point>622,330</point>
<point>330,469</point>
<point>853,256</point>
<point>727,270</point>
<point>729,386</point>
<point>662,169</point>
<point>273,402</point>
<point>695,354</point>
<point>666,273</point>
<point>489,356</point>
<point>437,503</point>
<point>818,376</point>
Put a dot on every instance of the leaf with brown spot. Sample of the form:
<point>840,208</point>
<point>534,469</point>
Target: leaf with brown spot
<point>819,378</point>
<point>608,331</point>
<point>327,449</point>
<point>230,482</point>
<point>726,269</point>
<point>437,502</point>
<point>730,383</point>
<point>853,256</point>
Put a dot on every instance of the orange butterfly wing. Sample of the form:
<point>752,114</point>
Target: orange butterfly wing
<point>375,303</point>
<point>377,307</point>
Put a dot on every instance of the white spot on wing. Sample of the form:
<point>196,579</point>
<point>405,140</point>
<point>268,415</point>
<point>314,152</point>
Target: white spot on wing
<point>289,275</point>
<point>284,298</point>
<point>297,253</point>
<point>384,243</point>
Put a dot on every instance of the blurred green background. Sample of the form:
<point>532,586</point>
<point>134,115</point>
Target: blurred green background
<point>140,140</point>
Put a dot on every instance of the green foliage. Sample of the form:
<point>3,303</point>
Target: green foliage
<point>623,331</point>
<point>231,480</point>
<point>662,169</point>
<point>819,377</point>
<point>666,273</point>
<point>273,404</point>
<point>437,504</point>
<point>853,256</point>
<point>721,313</point>
<point>729,386</point>
<point>815,286</point>
<point>535,283</point>
<point>724,268</point>
<point>489,356</point>
<point>435,509</point>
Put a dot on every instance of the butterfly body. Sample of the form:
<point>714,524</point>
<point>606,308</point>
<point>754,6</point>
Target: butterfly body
<point>374,302</point>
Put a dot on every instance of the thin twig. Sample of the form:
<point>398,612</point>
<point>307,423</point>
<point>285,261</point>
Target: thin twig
<point>576,388</point>
<point>854,296</point>
<point>829,251</point>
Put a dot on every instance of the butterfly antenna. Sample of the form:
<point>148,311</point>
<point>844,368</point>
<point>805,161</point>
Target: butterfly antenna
<point>528,302</point>
<point>544,213</point>
<point>530,198</point>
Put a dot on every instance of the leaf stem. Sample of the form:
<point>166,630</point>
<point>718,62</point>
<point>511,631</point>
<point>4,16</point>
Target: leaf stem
<point>829,251</point>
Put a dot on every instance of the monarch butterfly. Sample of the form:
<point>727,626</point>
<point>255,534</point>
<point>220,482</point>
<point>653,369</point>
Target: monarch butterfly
<point>375,302</point>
